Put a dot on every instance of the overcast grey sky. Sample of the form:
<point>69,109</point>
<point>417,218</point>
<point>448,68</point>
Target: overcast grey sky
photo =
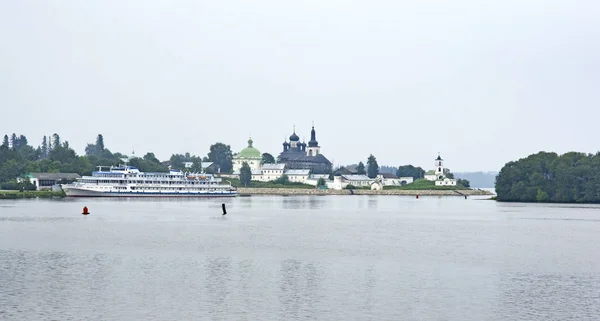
<point>482,82</point>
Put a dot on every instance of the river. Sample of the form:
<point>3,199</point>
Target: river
<point>298,258</point>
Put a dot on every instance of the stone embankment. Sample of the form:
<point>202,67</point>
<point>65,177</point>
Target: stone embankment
<point>299,191</point>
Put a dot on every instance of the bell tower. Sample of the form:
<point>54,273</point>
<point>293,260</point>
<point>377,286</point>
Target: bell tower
<point>313,145</point>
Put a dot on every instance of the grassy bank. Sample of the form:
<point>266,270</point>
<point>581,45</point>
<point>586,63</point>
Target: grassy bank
<point>29,194</point>
<point>299,191</point>
<point>422,184</point>
<point>254,184</point>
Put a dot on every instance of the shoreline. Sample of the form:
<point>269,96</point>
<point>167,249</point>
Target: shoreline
<point>249,191</point>
<point>30,194</point>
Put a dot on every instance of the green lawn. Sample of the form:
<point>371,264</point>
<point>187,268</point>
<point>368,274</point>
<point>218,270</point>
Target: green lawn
<point>29,194</point>
<point>255,184</point>
<point>423,184</point>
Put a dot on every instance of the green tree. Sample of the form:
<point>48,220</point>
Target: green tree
<point>221,155</point>
<point>96,149</point>
<point>283,179</point>
<point>448,173</point>
<point>62,154</point>
<point>541,196</point>
<point>44,149</point>
<point>150,157</point>
<point>14,141</point>
<point>267,159</point>
<point>177,161</point>
<point>410,171</point>
<point>360,169</point>
<point>245,174</point>
<point>11,169</point>
<point>22,141</point>
<point>321,182</point>
<point>55,140</point>
<point>372,167</point>
<point>196,165</point>
<point>149,163</point>
<point>547,177</point>
<point>463,183</point>
<point>5,142</point>
<point>100,143</point>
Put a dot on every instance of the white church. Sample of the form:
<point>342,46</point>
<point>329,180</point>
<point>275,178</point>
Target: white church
<point>438,174</point>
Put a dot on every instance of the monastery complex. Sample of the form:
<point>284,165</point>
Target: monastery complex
<point>305,163</point>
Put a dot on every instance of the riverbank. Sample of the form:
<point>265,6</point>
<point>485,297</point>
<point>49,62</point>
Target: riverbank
<point>297,191</point>
<point>29,194</point>
<point>285,191</point>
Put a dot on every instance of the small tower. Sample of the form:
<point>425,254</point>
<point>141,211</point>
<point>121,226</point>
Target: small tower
<point>286,145</point>
<point>294,139</point>
<point>313,145</point>
<point>439,167</point>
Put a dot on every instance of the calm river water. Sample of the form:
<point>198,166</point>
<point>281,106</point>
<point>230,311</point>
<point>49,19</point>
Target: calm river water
<point>298,258</point>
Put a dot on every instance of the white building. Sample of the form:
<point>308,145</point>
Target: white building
<point>271,172</point>
<point>297,175</point>
<point>342,181</point>
<point>314,179</point>
<point>438,174</point>
<point>204,165</point>
<point>357,180</point>
<point>249,155</point>
<point>445,182</point>
<point>392,180</point>
<point>48,180</point>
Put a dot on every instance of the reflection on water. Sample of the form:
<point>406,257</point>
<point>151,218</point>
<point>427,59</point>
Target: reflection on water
<point>297,258</point>
<point>304,202</point>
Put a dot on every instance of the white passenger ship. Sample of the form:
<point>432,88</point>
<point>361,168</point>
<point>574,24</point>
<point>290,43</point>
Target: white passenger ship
<point>127,181</point>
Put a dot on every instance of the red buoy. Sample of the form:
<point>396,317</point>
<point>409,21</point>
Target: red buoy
<point>417,196</point>
<point>85,211</point>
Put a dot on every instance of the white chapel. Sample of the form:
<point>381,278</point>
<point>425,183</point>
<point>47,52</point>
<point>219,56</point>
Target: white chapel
<point>438,174</point>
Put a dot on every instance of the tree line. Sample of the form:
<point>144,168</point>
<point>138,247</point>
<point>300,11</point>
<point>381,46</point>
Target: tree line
<point>548,177</point>
<point>53,155</point>
<point>372,170</point>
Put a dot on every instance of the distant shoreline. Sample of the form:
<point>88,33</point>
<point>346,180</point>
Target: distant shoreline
<point>249,191</point>
<point>301,191</point>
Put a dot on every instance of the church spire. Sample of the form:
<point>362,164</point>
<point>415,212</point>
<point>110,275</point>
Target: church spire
<point>313,137</point>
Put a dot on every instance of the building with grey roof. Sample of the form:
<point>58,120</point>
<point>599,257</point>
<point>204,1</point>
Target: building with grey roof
<point>47,180</point>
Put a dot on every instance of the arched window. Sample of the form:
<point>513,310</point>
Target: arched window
<point>310,152</point>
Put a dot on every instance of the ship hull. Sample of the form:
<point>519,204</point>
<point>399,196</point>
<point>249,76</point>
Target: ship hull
<point>84,192</point>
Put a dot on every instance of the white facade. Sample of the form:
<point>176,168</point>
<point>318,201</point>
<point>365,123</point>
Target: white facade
<point>337,183</point>
<point>253,162</point>
<point>314,179</point>
<point>445,182</point>
<point>313,151</point>
<point>271,172</point>
<point>430,176</point>
<point>377,186</point>
<point>357,180</point>
<point>394,181</point>
<point>203,164</point>
<point>297,175</point>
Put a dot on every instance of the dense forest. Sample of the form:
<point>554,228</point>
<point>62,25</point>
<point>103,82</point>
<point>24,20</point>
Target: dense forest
<point>18,157</point>
<point>547,177</point>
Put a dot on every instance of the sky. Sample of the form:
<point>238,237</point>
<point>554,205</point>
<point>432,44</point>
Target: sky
<point>481,82</point>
